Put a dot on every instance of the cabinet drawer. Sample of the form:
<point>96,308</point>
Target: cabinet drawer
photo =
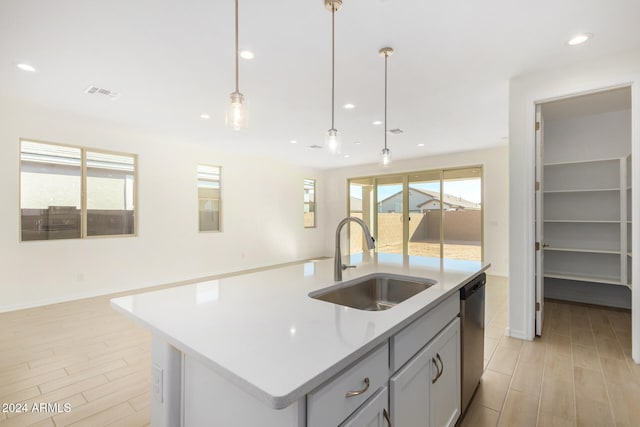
<point>328,405</point>
<point>411,339</point>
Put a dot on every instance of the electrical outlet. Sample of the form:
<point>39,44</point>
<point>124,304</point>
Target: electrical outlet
<point>156,382</point>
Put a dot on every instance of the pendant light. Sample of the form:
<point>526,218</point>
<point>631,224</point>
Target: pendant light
<point>237,116</point>
<point>332,140</point>
<point>385,155</point>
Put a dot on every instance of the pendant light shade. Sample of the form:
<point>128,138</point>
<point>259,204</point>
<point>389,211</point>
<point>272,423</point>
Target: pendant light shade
<point>385,155</point>
<point>237,114</point>
<point>333,142</point>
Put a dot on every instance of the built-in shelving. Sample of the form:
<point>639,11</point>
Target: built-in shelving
<point>610,280</point>
<point>582,190</point>
<point>587,218</point>
<point>588,251</point>
<point>584,221</point>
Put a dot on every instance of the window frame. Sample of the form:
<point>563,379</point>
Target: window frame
<point>314,203</point>
<point>83,189</point>
<point>220,213</point>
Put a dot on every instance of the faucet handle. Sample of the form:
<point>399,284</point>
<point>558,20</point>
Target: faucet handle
<point>345,266</point>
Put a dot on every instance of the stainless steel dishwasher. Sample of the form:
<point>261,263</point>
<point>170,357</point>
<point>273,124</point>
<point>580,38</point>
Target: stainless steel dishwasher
<point>472,336</point>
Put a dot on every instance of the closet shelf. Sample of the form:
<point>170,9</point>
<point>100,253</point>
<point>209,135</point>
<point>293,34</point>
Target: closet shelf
<point>577,162</point>
<point>583,250</point>
<point>585,221</point>
<point>582,190</point>
<point>583,278</point>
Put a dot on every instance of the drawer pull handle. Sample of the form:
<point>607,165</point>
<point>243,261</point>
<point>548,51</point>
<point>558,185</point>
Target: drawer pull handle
<point>386,417</point>
<point>359,392</point>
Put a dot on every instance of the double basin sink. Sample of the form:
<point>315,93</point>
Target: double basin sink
<point>375,292</point>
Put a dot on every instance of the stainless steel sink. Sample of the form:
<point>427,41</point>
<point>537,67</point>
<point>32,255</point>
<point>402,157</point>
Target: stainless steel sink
<point>373,293</point>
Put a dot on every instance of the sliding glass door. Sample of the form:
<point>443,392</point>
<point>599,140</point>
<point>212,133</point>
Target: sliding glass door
<point>462,214</point>
<point>389,230</point>
<point>361,205</point>
<point>436,213</point>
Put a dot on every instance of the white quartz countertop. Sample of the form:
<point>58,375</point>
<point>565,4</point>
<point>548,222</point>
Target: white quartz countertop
<point>262,332</point>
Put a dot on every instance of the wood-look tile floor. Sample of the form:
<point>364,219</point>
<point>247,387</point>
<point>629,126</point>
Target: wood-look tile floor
<point>81,353</point>
<point>87,355</point>
<point>579,373</point>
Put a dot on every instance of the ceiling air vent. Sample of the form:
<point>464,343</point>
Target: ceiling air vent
<point>106,93</point>
<point>396,131</point>
<point>315,146</point>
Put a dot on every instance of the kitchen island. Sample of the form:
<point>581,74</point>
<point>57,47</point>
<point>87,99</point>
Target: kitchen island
<point>256,349</point>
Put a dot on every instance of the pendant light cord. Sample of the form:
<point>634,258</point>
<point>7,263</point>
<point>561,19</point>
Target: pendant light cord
<point>333,60</point>
<point>386,56</point>
<point>237,74</point>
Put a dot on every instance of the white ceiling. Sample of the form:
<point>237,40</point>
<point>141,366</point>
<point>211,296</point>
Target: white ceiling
<point>173,60</point>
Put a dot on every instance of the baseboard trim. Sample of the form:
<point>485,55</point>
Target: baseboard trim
<point>516,334</point>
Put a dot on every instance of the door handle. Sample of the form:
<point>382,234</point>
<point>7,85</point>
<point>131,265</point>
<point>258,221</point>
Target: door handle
<point>385,414</point>
<point>441,365</point>
<point>439,370</point>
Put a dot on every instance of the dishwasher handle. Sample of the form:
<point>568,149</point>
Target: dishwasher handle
<point>472,287</point>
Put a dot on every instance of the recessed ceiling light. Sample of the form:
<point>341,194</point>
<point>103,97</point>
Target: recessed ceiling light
<point>346,156</point>
<point>349,106</point>
<point>357,142</point>
<point>579,39</point>
<point>247,54</point>
<point>205,116</point>
<point>377,123</point>
<point>293,141</point>
<point>420,145</point>
<point>26,67</point>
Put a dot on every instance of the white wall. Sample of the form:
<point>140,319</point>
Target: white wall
<point>262,215</point>
<point>525,92</point>
<point>598,136</point>
<point>495,189</point>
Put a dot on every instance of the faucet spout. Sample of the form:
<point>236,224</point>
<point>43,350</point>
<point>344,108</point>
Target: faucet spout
<point>338,266</point>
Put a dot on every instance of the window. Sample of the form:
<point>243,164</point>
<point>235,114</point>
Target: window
<point>209,197</point>
<point>70,192</point>
<point>309,203</point>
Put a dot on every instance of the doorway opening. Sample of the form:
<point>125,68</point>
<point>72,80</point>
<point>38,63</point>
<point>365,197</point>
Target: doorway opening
<point>583,200</point>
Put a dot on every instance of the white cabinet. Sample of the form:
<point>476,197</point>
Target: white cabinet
<point>373,413</point>
<point>426,391</point>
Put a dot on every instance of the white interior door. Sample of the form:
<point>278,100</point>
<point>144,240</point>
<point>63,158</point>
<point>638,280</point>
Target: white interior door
<point>539,220</point>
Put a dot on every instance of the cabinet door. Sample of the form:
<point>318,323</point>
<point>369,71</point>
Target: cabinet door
<point>426,391</point>
<point>445,391</point>
<point>373,413</point>
<point>410,389</point>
